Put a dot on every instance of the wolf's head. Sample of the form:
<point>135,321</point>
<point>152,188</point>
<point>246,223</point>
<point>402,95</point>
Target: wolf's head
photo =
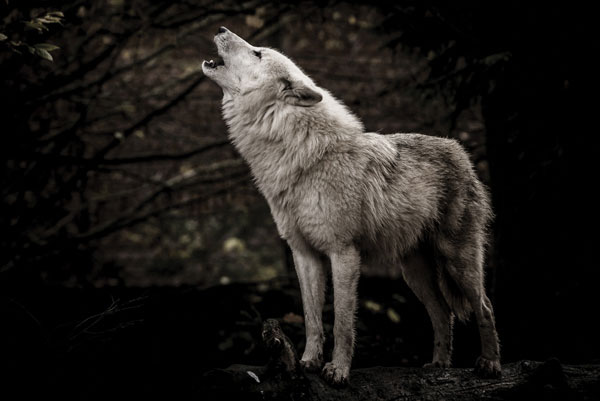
<point>245,70</point>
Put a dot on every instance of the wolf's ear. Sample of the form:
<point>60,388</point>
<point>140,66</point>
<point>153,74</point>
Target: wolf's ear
<point>298,94</point>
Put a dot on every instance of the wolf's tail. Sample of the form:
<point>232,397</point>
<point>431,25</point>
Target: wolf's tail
<point>454,295</point>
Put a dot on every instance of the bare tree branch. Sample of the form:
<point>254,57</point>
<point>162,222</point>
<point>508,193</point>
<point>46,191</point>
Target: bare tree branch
<point>158,157</point>
<point>133,219</point>
<point>165,157</point>
<point>149,117</point>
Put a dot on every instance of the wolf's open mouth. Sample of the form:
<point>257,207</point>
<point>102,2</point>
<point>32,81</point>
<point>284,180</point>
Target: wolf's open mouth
<point>215,64</point>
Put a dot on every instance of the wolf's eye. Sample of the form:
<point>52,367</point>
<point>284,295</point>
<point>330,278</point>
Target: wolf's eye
<point>257,53</point>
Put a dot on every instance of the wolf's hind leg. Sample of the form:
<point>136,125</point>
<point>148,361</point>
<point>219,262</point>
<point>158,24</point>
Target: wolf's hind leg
<point>488,364</point>
<point>465,266</point>
<point>312,279</point>
<point>420,276</point>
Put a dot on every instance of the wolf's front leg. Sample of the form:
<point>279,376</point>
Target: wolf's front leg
<point>311,276</point>
<point>345,271</point>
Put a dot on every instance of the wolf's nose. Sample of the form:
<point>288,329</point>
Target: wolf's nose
<point>222,30</point>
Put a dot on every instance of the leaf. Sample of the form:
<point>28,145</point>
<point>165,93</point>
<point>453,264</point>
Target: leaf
<point>399,298</point>
<point>56,13</point>
<point>253,375</point>
<point>46,46</point>
<point>393,315</point>
<point>49,20</point>
<point>496,58</point>
<point>3,37</point>
<point>44,54</point>
<point>372,306</point>
<point>233,244</point>
<point>35,25</point>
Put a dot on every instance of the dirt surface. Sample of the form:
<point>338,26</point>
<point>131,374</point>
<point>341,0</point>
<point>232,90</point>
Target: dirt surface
<point>281,378</point>
<point>177,343</point>
<point>524,380</point>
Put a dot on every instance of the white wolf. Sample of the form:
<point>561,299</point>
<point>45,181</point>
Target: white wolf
<point>410,201</point>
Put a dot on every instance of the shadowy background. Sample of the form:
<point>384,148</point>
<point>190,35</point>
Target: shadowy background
<point>135,252</point>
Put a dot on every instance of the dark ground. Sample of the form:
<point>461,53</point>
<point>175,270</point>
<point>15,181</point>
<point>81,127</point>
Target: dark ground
<point>159,342</point>
<point>523,380</point>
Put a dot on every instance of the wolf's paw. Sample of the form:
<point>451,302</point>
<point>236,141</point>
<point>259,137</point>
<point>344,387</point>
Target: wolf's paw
<point>312,365</point>
<point>335,375</point>
<point>437,365</point>
<point>487,368</point>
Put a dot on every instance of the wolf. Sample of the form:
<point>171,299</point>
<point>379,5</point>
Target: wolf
<point>412,202</point>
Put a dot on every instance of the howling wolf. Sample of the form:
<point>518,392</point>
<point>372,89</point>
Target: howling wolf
<point>408,201</point>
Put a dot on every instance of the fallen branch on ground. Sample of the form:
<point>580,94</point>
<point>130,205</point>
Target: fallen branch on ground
<point>523,380</point>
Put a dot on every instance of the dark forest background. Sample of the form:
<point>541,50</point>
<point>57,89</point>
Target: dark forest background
<point>134,244</point>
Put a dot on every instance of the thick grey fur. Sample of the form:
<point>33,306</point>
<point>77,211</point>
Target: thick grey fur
<point>410,201</point>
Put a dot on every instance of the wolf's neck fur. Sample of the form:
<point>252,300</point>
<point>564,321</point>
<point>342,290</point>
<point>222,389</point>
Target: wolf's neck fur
<point>280,141</point>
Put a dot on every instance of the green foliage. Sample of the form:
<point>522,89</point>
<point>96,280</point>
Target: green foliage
<point>43,54</point>
<point>39,24</point>
<point>46,46</point>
